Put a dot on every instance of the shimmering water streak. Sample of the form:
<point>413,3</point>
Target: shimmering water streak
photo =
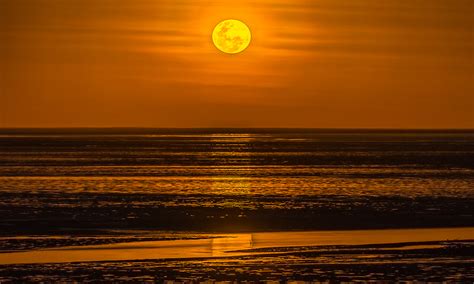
<point>233,162</point>
<point>235,180</point>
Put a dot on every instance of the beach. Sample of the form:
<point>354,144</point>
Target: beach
<point>185,203</point>
<point>402,254</point>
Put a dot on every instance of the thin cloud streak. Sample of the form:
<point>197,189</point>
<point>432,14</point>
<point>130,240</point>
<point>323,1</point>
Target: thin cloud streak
<point>326,55</point>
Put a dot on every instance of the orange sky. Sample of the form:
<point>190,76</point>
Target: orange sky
<point>318,63</point>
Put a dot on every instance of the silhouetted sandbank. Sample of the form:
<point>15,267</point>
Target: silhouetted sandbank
<point>83,212</point>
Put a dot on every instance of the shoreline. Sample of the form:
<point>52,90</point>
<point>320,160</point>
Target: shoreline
<point>230,245</point>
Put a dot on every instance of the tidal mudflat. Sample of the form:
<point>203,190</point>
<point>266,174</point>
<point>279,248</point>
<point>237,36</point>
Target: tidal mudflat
<point>236,204</point>
<point>406,254</point>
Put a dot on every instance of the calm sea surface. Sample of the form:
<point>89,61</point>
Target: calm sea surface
<point>235,179</point>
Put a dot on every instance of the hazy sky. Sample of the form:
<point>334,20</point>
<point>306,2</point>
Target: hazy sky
<point>314,63</point>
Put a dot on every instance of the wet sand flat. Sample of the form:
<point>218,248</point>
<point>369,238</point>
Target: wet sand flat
<point>230,245</point>
<point>447,261</point>
<point>231,180</point>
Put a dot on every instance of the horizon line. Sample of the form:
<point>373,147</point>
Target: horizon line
<point>227,128</point>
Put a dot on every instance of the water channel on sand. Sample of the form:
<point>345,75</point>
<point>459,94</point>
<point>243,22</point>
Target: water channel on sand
<point>228,245</point>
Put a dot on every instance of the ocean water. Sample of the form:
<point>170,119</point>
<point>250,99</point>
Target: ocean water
<point>235,179</point>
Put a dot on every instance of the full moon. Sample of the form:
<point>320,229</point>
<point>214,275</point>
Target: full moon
<point>231,36</point>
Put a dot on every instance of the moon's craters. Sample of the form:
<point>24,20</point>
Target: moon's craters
<point>231,36</point>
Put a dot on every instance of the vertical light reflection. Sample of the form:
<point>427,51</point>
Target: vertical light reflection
<point>220,246</point>
<point>232,157</point>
